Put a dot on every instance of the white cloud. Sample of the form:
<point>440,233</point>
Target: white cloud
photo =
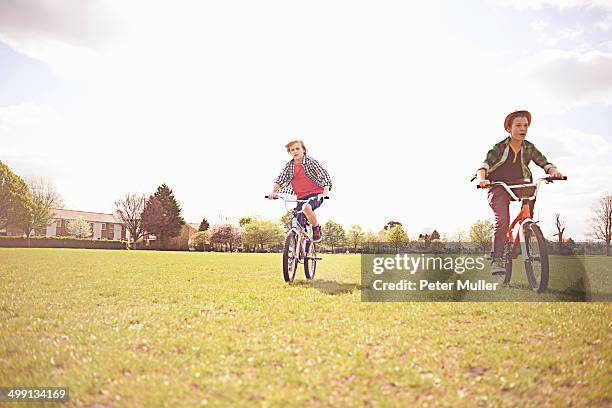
<point>30,114</point>
<point>556,81</point>
<point>561,4</point>
<point>388,100</point>
<point>585,159</point>
<point>68,35</point>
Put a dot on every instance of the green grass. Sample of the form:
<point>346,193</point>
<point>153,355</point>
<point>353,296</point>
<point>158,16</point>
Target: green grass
<point>170,329</point>
<point>571,279</point>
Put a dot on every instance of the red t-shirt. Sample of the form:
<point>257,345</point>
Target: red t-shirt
<point>302,185</point>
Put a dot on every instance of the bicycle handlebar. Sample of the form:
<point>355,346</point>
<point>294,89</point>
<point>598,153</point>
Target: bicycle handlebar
<point>548,179</point>
<point>295,200</point>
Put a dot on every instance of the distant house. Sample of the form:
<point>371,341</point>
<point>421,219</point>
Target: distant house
<point>103,226</point>
<point>181,241</point>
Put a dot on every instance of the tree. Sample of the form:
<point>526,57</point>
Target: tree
<point>15,200</point>
<point>370,236</point>
<point>391,224</point>
<point>244,221</point>
<point>129,210</point>
<point>172,211</point>
<point>162,215</point>
<point>204,225</point>
<point>79,228</point>
<point>225,236</point>
<point>434,235</point>
<point>262,233</point>
<point>44,198</point>
<point>602,221</point>
<point>481,233</point>
<point>355,236</point>
<point>560,226</point>
<point>396,235</point>
<point>333,234</point>
<point>153,221</point>
<point>199,240</point>
<point>286,220</point>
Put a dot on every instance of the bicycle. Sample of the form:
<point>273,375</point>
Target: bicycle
<point>529,240</point>
<point>299,246</point>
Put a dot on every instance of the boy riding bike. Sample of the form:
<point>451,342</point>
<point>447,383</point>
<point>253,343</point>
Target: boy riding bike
<point>508,161</point>
<point>306,178</point>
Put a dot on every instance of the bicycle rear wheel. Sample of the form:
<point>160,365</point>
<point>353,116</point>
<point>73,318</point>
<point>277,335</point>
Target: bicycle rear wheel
<point>290,256</point>
<point>310,261</point>
<point>536,263</point>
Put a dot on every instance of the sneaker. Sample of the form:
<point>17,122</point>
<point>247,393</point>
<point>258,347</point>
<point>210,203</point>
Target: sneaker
<point>498,267</point>
<point>316,234</point>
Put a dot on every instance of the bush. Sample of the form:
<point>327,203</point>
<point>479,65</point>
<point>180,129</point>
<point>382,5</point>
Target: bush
<point>59,242</point>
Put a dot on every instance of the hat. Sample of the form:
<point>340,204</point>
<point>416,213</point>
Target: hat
<point>513,115</point>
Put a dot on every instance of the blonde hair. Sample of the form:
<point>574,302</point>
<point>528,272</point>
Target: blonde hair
<point>291,143</point>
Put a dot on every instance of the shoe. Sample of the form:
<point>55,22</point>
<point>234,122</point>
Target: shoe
<point>316,234</point>
<point>498,267</point>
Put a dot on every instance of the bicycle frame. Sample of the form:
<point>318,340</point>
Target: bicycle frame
<point>303,236</point>
<point>523,216</point>
<point>529,237</point>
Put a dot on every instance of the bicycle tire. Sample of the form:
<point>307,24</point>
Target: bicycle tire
<point>289,257</point>
<point>536,267</point>
<point>310,263</point>
<point>505,278</point>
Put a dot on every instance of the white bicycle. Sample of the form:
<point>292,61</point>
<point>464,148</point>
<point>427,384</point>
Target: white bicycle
<point>299,246</point>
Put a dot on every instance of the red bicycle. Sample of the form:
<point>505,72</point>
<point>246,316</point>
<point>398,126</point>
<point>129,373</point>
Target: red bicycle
<point>529,240</point>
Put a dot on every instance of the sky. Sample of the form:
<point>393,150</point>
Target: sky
<point>400,101</point>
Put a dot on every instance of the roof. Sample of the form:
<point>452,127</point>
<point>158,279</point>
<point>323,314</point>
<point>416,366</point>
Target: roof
<point>194,225</point>
<point>86,215</point>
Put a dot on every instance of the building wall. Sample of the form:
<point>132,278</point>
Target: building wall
<point>51,230</point>
<point>117,232</point>
<point>181,242</point>
<point>97,230</point>
<point>58,228</point>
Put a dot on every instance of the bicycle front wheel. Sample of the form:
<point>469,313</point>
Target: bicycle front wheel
<point>290,256</point>
<point>536,261</point>
<point>310,261</point>
<point>505,278</point>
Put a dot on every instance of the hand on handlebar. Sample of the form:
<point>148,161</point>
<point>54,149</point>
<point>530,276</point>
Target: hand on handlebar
<point>553,172</point>
<point>271,196</point>
<point>485,183</point>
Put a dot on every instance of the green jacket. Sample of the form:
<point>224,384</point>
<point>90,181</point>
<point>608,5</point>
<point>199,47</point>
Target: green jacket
<point>499,153</point>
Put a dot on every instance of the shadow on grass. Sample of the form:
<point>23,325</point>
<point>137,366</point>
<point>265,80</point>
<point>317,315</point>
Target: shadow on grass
<point>329,287</point>
<point>576,293</point>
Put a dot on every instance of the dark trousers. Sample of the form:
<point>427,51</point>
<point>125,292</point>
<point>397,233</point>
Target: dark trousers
<point>499,201</point>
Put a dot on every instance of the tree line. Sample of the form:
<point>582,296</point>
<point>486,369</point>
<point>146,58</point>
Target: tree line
<point>26,205</point>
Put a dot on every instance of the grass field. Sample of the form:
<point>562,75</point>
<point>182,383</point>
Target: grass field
<point>170,329</point>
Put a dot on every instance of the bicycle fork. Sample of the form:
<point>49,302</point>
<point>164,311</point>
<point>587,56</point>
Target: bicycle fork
<point>524,251</point>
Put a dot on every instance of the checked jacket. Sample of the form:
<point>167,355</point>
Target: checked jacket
<point>499,153</point>
<point>313,171</point>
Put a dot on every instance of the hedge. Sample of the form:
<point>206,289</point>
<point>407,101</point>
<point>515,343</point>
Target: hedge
<point>59,242</point>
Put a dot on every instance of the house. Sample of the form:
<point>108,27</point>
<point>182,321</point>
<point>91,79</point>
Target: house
<point>103,226</point>
<point>181,241</point>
